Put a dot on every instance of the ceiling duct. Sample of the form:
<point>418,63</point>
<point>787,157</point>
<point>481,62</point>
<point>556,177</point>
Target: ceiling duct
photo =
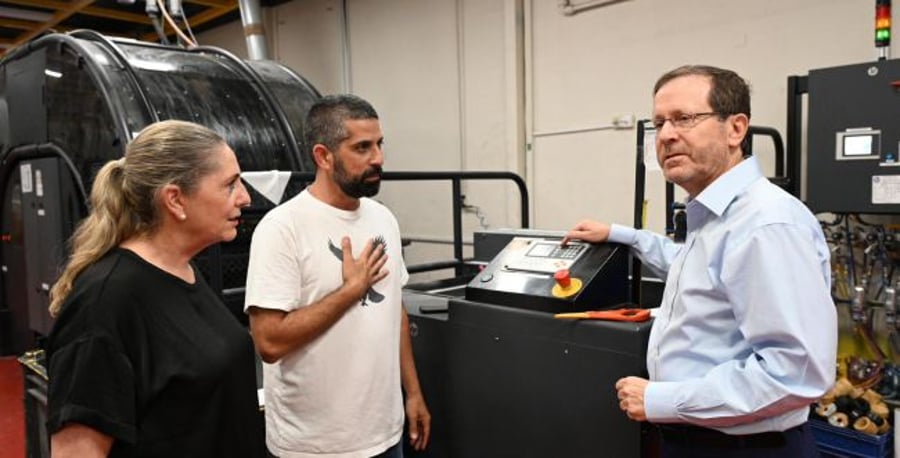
<point>254,29</point>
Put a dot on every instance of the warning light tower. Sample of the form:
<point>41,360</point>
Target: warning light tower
<point>883,28</point>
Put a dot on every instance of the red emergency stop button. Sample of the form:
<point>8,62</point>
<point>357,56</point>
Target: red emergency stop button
<point>562,277</point>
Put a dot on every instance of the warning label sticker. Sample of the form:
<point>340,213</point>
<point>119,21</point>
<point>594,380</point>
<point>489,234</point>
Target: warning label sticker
<point>886,189</point>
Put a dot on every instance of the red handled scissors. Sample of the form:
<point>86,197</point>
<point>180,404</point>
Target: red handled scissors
<point>612,315</point>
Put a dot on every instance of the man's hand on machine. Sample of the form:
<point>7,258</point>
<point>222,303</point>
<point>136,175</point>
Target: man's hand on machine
<point>587,230</point>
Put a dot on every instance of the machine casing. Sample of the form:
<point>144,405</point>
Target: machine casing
<point>854,138</point>
<point>503,378</point>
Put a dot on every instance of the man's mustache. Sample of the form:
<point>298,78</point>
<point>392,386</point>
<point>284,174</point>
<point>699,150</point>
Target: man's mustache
<point>374,171</point>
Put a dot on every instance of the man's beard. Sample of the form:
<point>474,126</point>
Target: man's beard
<point>357,187</point>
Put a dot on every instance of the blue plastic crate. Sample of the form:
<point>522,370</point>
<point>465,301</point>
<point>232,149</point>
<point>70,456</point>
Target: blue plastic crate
<point>848,443</point>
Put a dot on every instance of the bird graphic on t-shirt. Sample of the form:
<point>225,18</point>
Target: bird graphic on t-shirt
<point>371,295</point>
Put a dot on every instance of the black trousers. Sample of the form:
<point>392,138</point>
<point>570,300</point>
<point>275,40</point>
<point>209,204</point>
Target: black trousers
<point>687,441</point>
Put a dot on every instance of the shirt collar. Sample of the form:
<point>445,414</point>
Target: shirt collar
<point>721,192</point>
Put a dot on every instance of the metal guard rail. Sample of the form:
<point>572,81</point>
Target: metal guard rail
<point>456,179</point>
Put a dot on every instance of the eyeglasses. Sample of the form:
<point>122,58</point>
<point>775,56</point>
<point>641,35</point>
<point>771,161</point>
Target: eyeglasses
<point>684,121</point>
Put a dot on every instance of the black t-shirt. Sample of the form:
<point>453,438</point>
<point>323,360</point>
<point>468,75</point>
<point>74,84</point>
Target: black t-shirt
<point>159,364</point>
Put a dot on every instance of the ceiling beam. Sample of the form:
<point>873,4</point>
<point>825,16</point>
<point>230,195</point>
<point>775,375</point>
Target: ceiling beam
<point>58,17</point>
<point>62,10</point>
<point>214,3</point>
<point>17,24</point>
<point>88,10</point>
<point>116,14</point>
<point>210,14</point>
<point>194,21</point>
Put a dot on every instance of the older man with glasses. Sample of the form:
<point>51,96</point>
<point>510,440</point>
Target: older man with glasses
<point>746,334</point>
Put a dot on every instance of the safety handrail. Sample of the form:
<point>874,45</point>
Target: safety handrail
<point>772,133</point>
<point>456,178</point>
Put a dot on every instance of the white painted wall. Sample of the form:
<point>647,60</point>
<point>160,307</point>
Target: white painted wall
<point>495,84</point>
<point>229,36</point>
<point>590,67</point>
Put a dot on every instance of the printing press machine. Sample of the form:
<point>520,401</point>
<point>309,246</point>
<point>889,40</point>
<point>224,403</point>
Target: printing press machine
<point>503,377</point>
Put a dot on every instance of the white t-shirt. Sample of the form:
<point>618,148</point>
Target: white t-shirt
<point>340,395</point>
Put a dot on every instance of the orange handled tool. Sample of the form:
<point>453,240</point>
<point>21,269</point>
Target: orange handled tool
<point>612,315</point>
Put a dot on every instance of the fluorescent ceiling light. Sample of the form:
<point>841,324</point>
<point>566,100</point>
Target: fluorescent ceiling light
<point>25,15</point>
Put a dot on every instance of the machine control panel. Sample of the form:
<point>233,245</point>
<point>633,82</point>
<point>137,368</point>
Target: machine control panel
<point>854,139</point>
<point>539,255</point>
<point>860,143</point>
<point>526,274</point>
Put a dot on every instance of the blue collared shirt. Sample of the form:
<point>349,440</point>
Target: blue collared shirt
<point>746,334</point>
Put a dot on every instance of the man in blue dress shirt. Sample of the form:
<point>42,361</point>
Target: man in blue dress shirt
<point>746,334</point>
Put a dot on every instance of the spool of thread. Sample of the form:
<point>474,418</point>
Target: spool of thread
<point>875,419</point>
<point>844,403</point>
<point>826,410</point>
<point>842,387</point>
<point>880,422</point>
<point>872,397</point>
<point>861,405</point>
<point>880,409</point>
<point>839,419</point>
<point>865,425</point>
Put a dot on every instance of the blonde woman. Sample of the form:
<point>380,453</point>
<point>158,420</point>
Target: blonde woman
<point>144,358</point>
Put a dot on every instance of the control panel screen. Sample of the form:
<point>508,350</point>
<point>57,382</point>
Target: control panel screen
<point>541,250</point>
<point>858,145</point>
<point>555,250</point>
<point>545,256</point>
<point>863,143</point>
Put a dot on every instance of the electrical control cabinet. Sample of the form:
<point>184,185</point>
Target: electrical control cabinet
<point>523,275</point>
<point>854,138</point>
<point>51,210</point>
